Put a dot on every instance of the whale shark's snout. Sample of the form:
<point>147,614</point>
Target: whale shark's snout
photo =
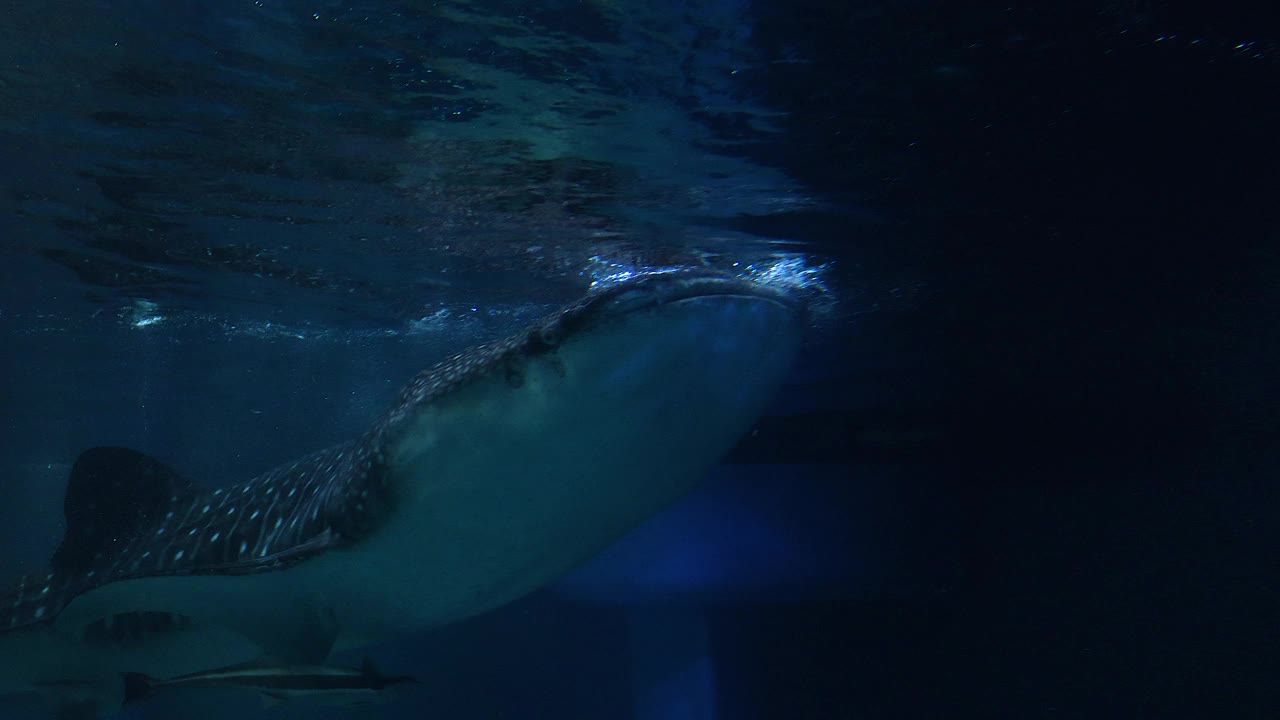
<point>705,343</point>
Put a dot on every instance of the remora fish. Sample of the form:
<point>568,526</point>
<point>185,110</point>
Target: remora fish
<point>315,683</point>
<point>495,472</point>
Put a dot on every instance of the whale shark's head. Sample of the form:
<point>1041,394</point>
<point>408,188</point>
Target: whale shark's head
<point>703,343</point>
<point>535,452</point>
<point>637,324</point>
<point>663,347</point>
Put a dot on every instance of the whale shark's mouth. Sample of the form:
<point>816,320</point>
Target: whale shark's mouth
<point>653,289</point>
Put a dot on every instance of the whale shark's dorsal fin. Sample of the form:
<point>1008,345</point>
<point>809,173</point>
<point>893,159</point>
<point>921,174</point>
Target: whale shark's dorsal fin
<point>112,494</point>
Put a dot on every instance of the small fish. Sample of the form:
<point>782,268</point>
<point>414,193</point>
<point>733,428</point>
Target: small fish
<point>280,682</point>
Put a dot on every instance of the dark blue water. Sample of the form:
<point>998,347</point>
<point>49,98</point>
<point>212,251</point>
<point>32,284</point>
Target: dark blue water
<point>1023,467</point>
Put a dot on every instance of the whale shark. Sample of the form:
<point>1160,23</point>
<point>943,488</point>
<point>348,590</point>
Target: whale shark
<point>493,473</point>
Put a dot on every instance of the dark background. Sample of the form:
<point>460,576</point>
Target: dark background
<point>1091,189</point>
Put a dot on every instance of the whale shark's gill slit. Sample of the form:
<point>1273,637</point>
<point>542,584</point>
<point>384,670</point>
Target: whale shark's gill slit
<point>133,628</point>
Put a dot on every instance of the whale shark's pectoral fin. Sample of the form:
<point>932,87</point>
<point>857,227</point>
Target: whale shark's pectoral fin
<point>307,641</point>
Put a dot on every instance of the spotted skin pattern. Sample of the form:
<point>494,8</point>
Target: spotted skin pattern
<point>325,500</point>
<point>276,519</point>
